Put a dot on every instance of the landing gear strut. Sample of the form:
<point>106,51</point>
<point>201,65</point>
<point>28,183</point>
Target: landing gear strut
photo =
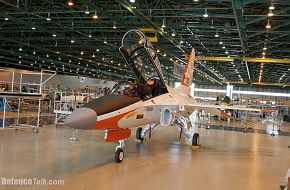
<point>181,124</point>
<point>140,133</point>
<point>119,152</point>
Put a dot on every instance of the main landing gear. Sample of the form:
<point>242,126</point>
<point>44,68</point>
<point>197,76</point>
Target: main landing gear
<point>140,133</point>
<point>119,152</point>
<point>181,124</point>
<point>195,140</point>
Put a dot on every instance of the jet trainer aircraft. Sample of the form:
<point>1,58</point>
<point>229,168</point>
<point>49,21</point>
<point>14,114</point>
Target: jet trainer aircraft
<point>147,102</point>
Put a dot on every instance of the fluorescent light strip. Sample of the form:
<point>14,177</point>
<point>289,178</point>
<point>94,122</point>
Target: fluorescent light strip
<point>204,98</point>
<point>262,93</point>
<point>245,92</point>
<point>209,90</point>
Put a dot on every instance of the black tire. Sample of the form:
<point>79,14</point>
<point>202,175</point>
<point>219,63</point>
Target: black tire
<point>119,155</point>
<point>138,134</point>
<point>195,139</point>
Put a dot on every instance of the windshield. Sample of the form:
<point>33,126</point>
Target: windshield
<point>125,89</point>
<point>144,63</point>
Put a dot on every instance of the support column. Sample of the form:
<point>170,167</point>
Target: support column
<point>230,89</point>
<point>192,88</point>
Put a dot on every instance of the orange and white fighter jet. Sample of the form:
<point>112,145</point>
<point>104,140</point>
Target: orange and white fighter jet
<point>147,102</point>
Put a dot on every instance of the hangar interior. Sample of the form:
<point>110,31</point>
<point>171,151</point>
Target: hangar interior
<point>57,56</point>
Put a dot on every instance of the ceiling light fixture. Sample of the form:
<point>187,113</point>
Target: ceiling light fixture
<point>82,52</point>
<point>54,35</point>
<point>216,35</point>
<point>114,26</point>
<point>72,41</point>
<point>226,52</point>
<point>261,71</point>
<point>6,18</point>
<point>95,15</point>
<point>264,48</point>
<point>70,3</point>
<point>173,34</point>
<point>132,1</point>
<point>270,14</point>
<point>87,11</point>
<point>93,55</point>
<point>105,41</point>
<point>271,7</point>
<point>268,26</point>
<point>205,13</point>
<point>20,49</point>
<point>224,47</point>
<point>163,24</point>
<point>34,52</point>
<point>48,17</point>
<point>263,53</point>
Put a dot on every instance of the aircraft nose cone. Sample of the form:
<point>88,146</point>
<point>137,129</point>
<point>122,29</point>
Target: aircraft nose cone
<point>81,118</point>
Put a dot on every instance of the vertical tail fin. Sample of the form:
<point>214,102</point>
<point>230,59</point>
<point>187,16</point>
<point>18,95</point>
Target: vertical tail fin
<point>188,71</point>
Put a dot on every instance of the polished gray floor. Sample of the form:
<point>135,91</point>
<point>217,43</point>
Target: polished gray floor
<point>226,160</point>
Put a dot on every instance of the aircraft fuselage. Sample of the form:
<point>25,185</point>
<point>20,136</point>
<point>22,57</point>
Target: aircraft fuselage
<point>100,116</point>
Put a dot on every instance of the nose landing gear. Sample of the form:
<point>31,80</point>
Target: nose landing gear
<point>119,152</point>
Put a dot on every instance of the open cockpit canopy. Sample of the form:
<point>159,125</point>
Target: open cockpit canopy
<point>143,62</point>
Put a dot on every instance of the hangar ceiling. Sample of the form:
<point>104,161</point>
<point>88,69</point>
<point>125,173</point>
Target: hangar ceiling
<point>83,38</point>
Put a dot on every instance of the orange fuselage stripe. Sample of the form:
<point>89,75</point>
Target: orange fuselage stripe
<point>110,123</point>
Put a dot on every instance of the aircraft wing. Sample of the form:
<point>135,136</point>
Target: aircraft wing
<point>240,108</point>
<point>212,109</point>
<point>221,107</point>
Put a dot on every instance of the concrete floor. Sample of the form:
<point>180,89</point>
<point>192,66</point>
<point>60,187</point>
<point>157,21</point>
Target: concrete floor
<point>226,160</point>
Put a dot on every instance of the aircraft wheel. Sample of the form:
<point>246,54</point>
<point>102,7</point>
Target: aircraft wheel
<point>138,134</point>
<point>195,139</point>
<point>119,155</point>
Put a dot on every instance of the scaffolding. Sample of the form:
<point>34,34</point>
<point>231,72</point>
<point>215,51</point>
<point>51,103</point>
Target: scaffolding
<point>20,95</point>
<point>65,102</point>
